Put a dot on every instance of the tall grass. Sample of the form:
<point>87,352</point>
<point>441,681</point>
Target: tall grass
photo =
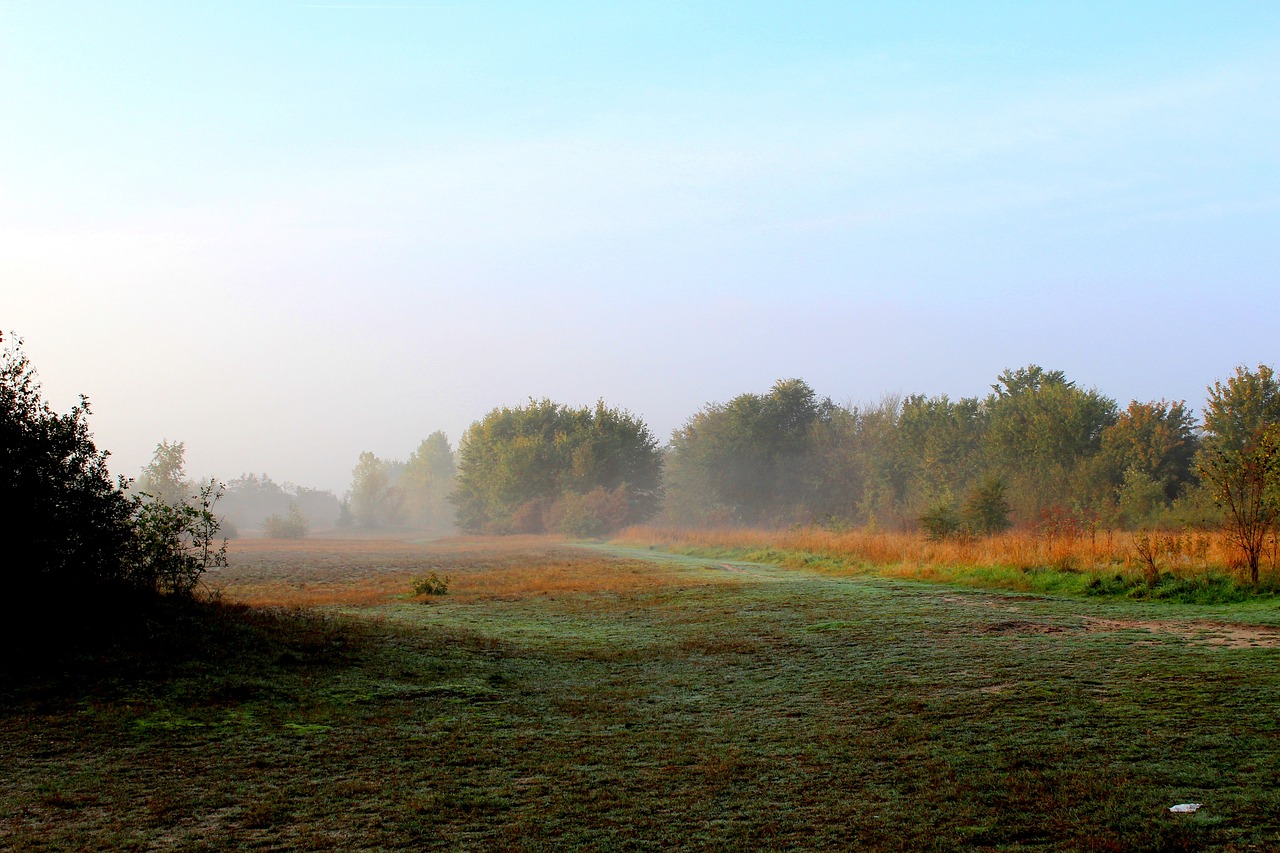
<point>1020,559</point>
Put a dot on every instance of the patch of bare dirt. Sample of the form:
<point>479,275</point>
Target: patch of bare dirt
<point>1231,636</point>
<point>1205,633</point>
<point>1022,626</point>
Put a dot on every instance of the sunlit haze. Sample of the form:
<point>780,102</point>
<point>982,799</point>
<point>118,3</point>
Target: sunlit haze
<point>288,232</point>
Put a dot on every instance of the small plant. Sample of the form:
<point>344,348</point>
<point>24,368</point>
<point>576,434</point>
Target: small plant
<point>432,584</point>
<point>1147,544</point>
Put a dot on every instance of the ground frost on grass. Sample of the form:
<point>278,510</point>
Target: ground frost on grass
<point>690,708</point>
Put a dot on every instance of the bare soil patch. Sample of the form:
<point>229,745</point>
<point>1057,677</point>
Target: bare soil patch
<point>1206,633</point>
<point>1226,635</point>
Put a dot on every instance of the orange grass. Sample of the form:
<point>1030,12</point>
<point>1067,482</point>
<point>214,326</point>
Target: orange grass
<point>1191,552</point>
<point>362,572</point>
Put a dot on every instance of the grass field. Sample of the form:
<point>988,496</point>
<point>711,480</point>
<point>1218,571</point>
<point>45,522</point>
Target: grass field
<point>1191,565</point>
<point>614,698</point>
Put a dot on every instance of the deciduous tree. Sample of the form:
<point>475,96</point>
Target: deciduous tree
<point>374,501</point>
<point>750,456</point>
<point>1239,460</point>
<point>427,482</point>
<point>517,462</point>
<point>1043,431</point>
<point>164,478</point>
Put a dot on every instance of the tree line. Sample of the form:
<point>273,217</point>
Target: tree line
<point>1038,450</point>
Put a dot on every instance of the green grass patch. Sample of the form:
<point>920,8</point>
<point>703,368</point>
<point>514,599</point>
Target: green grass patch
<point>777,708</point>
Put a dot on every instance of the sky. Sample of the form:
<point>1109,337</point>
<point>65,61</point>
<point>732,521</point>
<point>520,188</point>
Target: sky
<point>287,232</point>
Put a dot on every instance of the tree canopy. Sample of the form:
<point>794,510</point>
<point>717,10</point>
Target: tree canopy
<point>1240,457</point>
<point>522,468</point>
<point>1037,447</point>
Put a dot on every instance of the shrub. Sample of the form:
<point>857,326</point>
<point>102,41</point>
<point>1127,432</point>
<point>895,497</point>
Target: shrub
<point>83,539</point>
<point>432,584</point>
<point>986,509</point>
<point>291,525</point>
<point>59,507</point>
<point>941,521</point>
<point>529,517</point>
<point>175,544</point>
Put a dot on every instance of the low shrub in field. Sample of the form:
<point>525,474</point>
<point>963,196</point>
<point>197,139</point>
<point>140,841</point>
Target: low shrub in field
<point>941,521</point>
<point>432,584</point>
<point>292,525</point>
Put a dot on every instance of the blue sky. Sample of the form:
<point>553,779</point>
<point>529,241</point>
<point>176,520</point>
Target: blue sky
<point>286,232</point>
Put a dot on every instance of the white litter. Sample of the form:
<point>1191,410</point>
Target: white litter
<point>1184,808</point>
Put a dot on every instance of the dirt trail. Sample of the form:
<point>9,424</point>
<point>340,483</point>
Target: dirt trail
<point>1199,631</point>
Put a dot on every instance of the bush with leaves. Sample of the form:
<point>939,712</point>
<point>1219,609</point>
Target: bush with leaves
<point>941,520</point>
<point>593,514</point>
<point>60,510</point>
<point>84,540</point>
<point>291,525</point>
<point>986,509</point>
<point>432,584</point>
<point>175,544</point>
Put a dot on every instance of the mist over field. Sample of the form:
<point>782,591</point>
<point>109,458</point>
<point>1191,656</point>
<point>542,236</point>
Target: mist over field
<point>289,234</point>
<point>673,425</point>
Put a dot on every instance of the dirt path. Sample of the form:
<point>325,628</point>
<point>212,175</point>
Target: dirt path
<point>1196,631</point>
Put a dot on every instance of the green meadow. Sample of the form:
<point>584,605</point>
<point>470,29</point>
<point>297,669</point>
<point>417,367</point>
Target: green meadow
<point>572,697</point>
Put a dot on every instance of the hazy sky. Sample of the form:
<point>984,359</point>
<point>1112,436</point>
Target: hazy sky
<point>287,232</point>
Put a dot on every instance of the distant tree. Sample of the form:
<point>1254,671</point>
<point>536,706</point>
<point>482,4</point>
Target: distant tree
<point>751,456</point>
<point>426,483</point>
<point>1238,408</point>
<point>319,507</point>
<point>1042,436</point>
<point>253,498</point>
<point>517,462</point>
<point>375,502</point>
<point>1148,456</point>
<point>1239,460</point>
<point>859,473</point>
<point>164,478</point>
<point>940,445</point>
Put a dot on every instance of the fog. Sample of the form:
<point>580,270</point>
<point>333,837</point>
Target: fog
<point>287,236</point>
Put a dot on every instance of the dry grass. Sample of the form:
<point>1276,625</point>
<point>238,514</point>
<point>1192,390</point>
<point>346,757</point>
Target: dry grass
<point>365,572</point>
<point>1187,553</point>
